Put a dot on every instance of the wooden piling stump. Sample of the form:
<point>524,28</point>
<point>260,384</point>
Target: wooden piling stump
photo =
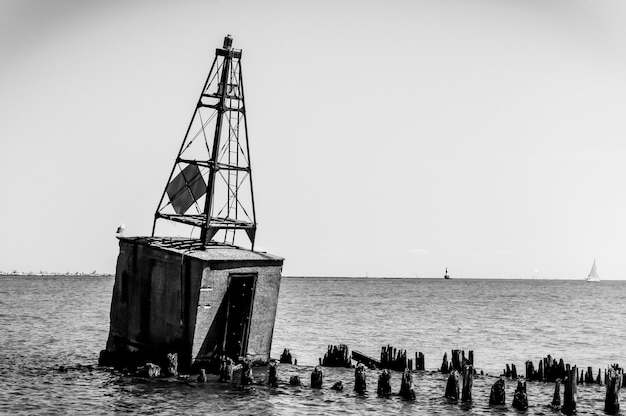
<point>468,382</point>
<point>286,357</point>
<point>498,393</point>
<point>457,360</point>
<point>338,386</point>
<point>406,387</point>
<point>520,398</point>
<point>419,360</point>
<point>445,369</point>
<point>317,378</point>
<point>395,359</point>
<point>337,356</point>
<point>452,386</point>
<point>273,376</point>
<point>561,370</point>
<point>530,371</point>
<point>548,369</point>
<point>384,385</point>
<point>556,398</point>
<point>360,382</point>
<point>569,391</point>
<point>613,385</point>
<point>294,381</point>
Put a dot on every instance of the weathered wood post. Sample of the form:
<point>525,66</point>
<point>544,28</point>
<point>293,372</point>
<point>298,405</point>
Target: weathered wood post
<point>581,377</point>
<point>530,370</point>
<point>360,384</point>
<point>445,368</point>
<point>337,356</point>
<point>286,357</point>
<point>452,387</point>
<point>556,398</point>
<point>520,398</point>
<point>498,393</point>
<point>613,384</point>
<point>317,378</point>
<point>338,386</point>
<point>294,381</point>
<point>549,367</point>
<point>599,378</point>
<point>468,382</point>
<point>569,391</point>
<point>384,386</point>
<point>420,365</point>
<point>561,370</point>
<point>457,361</point>
<point>406,388</point>
<point>246,373</point>
<point>273,376</point>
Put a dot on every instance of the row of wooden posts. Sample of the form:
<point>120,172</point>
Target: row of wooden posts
<point>459,385</point>
<point>460,381</point>
<point>390,358</point>
<point>549,370</point>
<point>395,359</point>
<point>461,370</point>
<point>457,362</point>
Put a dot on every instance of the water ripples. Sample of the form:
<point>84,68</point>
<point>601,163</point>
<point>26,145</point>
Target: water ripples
<point>48,323</point>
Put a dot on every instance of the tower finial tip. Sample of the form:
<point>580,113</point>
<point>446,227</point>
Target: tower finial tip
<point>228,42</point>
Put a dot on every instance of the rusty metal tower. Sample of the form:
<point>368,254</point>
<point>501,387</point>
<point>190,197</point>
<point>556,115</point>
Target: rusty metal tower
<point>210,185</point>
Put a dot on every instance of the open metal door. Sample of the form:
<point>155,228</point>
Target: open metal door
<point>240,295</point>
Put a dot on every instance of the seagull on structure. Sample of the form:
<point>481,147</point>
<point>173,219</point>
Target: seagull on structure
<point>120,230</point>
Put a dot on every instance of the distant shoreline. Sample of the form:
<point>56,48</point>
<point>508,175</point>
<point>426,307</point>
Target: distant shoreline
<point>54,274</point>
<point>528,279</point>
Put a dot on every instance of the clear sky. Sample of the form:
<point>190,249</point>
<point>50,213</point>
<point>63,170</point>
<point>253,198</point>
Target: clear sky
<point>388,138</point>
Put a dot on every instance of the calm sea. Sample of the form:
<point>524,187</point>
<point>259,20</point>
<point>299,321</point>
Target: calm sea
<point>49,322</point>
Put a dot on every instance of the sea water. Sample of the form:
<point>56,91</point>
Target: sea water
<point>47,323</point>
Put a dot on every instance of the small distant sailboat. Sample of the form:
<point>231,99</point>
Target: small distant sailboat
<point>593,274</point>
<point>446,276</point>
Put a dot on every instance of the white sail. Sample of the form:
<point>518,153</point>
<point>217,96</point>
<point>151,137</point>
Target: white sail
<point>593,274</point>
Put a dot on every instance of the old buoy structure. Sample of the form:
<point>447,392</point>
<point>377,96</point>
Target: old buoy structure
<point>208,295</point>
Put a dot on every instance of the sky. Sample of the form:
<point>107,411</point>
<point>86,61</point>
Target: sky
<point>389,139</point>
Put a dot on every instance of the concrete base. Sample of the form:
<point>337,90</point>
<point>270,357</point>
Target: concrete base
<point>172,295</point>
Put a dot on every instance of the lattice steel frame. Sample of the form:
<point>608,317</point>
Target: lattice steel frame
<point>227,158</point>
